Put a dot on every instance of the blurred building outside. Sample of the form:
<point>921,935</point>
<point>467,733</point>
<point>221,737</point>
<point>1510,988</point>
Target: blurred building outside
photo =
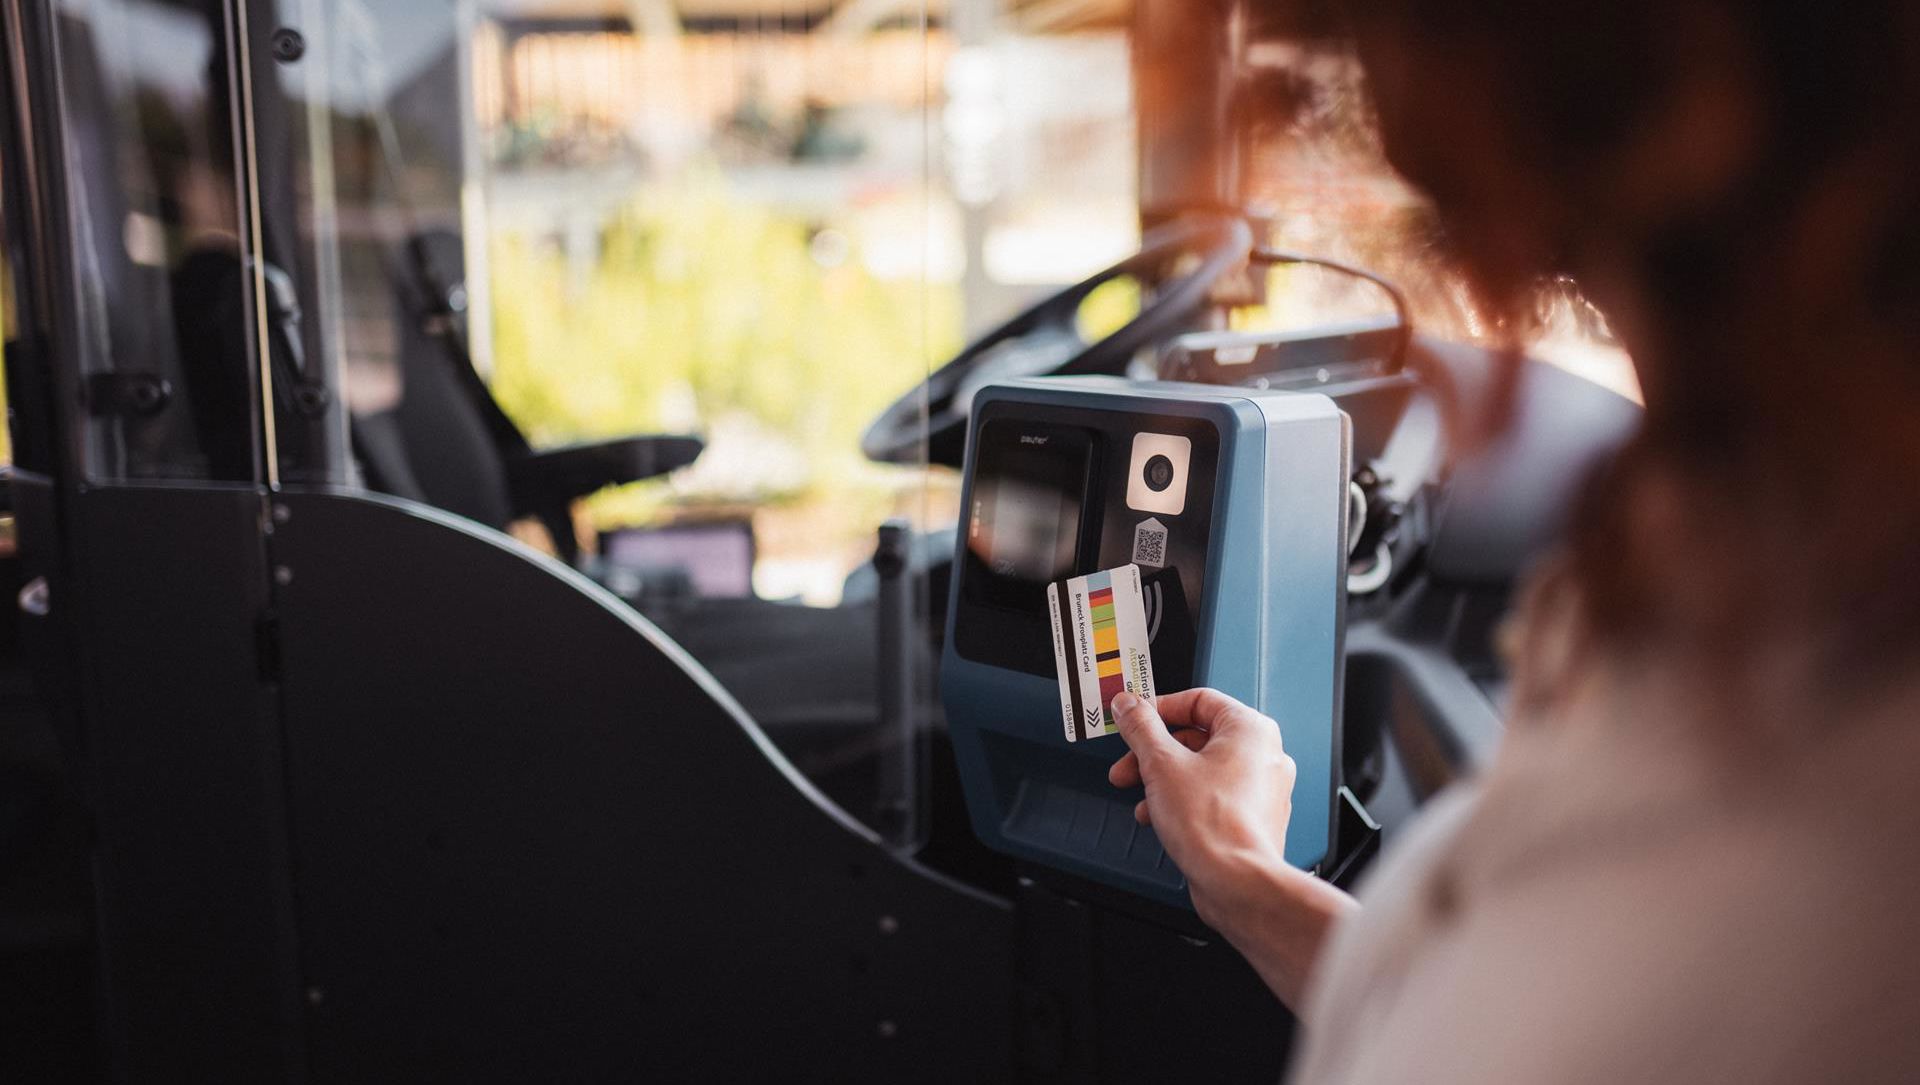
<point>766,226</point>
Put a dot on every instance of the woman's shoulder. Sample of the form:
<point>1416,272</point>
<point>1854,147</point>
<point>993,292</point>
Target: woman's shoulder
<point>1633,891</point>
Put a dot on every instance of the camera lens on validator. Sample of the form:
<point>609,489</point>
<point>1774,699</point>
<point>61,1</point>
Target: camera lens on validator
<point>1158,473</point>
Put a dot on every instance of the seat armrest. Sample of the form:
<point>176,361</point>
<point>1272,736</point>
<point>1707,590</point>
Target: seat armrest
<point>548,477</point>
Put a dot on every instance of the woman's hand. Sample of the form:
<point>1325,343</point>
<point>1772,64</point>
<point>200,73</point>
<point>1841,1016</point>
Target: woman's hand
<point>1219,790</point>
<point>1219,795</point>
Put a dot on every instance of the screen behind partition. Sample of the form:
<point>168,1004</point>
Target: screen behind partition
<point>717,556</point>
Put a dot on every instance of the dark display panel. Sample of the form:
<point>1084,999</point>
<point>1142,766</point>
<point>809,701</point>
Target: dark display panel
<point>1023,518</point>
<point>1048,502</point>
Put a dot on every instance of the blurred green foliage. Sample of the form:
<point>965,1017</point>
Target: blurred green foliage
<point>702,307</point>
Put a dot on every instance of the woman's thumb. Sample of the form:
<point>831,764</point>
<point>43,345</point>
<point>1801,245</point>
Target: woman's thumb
<point>1145,733</point>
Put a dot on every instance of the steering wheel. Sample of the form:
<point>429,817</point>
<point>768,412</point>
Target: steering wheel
<point>1044,340</point>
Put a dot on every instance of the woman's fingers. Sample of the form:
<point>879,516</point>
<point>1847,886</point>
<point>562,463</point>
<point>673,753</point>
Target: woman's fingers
<point>1146,735</point>
<point>1125,772</point>
<point>1207,709</point>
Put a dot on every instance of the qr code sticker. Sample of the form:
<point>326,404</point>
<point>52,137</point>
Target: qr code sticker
<point>1150,544</point>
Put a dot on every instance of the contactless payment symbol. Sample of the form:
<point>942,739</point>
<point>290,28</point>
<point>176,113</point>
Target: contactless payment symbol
<point>1099,647</point>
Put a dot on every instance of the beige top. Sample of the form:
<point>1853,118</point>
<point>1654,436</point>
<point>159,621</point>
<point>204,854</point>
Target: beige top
<point>1632,894</point>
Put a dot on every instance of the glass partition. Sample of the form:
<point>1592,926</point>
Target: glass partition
<point>9,321</point>
<point>365,173</point>
<point>718,222</point>
<point>155,227</point>
<point>517,232</point>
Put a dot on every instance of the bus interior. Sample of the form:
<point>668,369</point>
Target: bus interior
<point>496,494</point>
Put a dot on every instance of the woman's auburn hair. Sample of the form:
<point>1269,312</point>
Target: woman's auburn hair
<point>1772,497</point>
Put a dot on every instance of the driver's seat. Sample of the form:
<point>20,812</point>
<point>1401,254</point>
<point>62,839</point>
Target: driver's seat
<point>446,442</point>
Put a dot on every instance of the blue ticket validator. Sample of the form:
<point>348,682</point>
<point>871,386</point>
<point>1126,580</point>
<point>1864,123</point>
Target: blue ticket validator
<point>1232,505</point>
